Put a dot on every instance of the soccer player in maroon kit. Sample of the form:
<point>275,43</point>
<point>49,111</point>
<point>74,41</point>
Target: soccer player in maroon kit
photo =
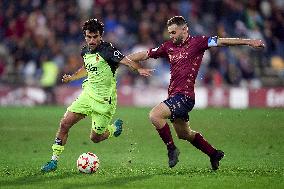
<point>184,53</point>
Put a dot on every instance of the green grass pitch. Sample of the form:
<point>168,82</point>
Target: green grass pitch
<point>252,140</point>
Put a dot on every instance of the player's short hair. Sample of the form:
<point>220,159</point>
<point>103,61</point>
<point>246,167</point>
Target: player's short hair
<point>178,20</point>
<point>93,25</point>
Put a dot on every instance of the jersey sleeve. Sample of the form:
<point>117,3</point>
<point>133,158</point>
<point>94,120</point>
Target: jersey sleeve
<point>159,52</point>
<point>113,54</point>
<point>84,51</point>
<point>205,42</point>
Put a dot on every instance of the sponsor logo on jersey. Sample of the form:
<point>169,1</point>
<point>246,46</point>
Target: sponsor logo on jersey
<point>155,49</point>
<point>117,54</point>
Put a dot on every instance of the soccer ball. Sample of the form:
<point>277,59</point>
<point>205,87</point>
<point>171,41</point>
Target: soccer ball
<point>88,163</point>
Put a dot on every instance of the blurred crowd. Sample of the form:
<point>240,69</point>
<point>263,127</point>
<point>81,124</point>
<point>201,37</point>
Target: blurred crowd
<point>41,39</point>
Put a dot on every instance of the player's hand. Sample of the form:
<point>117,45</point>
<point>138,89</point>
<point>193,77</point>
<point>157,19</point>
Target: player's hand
<point>145,72</point>
<point>66,78</point>
<point>257,43</point>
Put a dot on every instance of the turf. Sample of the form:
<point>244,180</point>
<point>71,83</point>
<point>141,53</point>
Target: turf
<point>252,140</point>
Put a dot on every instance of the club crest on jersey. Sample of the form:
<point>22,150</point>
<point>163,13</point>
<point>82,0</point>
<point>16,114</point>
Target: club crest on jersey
<point>97,58</point>
<point>212,41</point>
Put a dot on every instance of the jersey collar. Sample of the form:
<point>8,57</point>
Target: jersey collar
<point>185,41</point>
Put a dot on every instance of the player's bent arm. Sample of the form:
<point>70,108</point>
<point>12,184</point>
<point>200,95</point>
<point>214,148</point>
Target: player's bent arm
<point>136,66</point>
<point>130,63</point>
<point>256,43</point>
<point>82,72</point>
<point>139,56</point>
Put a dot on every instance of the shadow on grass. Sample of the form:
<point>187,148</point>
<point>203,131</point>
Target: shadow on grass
<point>58,178</point>
<point>35,178</point>
<point>117,182</point>
<point>121,178</point>
<point>224,171</point>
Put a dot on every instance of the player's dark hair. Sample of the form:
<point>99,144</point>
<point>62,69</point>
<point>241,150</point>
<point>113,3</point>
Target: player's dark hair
<point>178,20</point>
<point>93,25</point>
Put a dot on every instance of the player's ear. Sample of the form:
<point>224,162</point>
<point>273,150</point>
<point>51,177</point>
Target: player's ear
<point>185,29</point>
<point>101,37</point>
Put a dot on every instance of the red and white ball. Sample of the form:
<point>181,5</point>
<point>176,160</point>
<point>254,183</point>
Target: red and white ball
<point>88,163</point>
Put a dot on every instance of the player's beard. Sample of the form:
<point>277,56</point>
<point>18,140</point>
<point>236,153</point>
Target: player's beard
<point>178,40</point>
<point>93,46</point>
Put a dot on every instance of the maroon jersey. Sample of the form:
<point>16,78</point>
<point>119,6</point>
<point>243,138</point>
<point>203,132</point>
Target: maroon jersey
<point>185,60</point>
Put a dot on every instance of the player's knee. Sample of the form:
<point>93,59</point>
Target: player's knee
<point>192,135</point>
<point>154,118</point>
<point>183,136</point>
<point>95,139</point>
<point>187,134</point>
<point>151,115</point>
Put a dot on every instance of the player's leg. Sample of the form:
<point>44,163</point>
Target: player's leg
<point>186,133</point>
<point>203,145</point>
<point>102,129</point>
<point>82,108</point>
<point>183,130</point>
<point>158,116</point>
<point>69,119</point>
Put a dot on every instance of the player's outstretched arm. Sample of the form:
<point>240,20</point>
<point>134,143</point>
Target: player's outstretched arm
<point>139,56</point>
<point>82,72</point>
<point>136,66</point>
<point>255,43</point>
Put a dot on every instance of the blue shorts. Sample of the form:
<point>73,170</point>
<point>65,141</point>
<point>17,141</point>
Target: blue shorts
<point>180,105</point>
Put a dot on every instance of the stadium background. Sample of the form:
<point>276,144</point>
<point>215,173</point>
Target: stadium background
<point>41,39</point>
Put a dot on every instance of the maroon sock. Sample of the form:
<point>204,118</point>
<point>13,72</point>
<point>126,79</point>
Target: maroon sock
<point>200,143</point>
<point>165,134</point>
